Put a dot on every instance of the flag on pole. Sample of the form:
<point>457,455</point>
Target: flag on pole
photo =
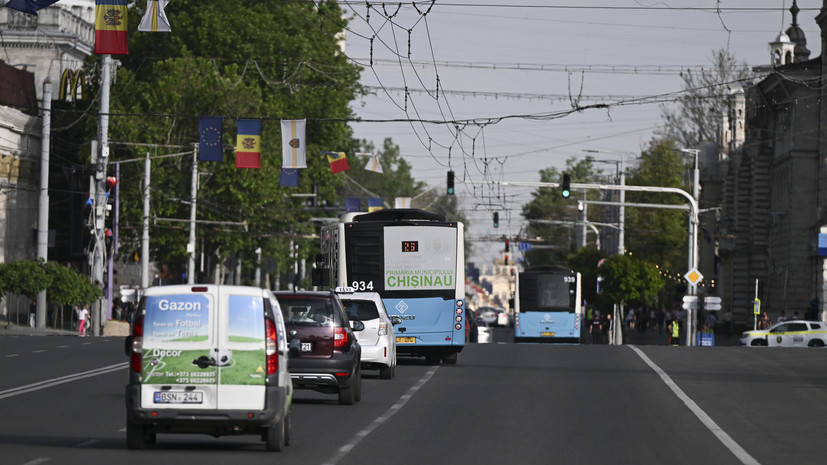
<point>372,163</point>
<point>338,161</point>
<point>353,204</point>
<point>289,177</point>
<point>293,143</point>
<point>28,6</point>
<point>248,144</point>
<point>210,138</point>
<point>374,204</point>
<point>110,27</point>
<point>155,20</point>
<point>402,202</point>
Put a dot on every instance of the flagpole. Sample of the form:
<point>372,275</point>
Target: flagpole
<point>193,199</point>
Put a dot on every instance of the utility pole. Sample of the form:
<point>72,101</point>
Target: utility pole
<point>100,193</point>
<point>43,202</point>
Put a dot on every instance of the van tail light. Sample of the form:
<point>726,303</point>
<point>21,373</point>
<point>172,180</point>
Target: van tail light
<point>271,347</point>
<point>340,338</point>
<point>136,356</point>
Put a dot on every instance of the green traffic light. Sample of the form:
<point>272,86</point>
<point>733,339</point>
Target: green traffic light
<point>566,193</point>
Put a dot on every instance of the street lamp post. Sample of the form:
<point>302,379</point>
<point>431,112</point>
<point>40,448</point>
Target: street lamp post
<point>693,259</point>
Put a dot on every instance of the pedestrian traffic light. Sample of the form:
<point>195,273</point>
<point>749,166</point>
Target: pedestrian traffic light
<point>565,186</point>
<point>506,246</point>
<point>450,183</point>
<point>496,219</point>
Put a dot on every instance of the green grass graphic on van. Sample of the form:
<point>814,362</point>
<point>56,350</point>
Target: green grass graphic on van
<point>165,366</point>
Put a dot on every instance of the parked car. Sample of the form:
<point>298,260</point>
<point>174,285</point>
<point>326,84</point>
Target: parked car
<point>794,333</point>
<point>208,359</point>
<point>329,354</point>
<point>377,339</point>
<point>503,318</point>
<point>470,326</point>
<point>484,333</point>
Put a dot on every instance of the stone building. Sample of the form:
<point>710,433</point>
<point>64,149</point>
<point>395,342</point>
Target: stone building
<point>774,193</point>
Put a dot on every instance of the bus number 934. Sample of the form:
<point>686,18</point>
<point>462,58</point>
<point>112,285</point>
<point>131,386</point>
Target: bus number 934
<point>362,285</point>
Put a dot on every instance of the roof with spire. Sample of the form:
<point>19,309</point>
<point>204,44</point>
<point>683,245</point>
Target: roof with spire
<point>796,35</point>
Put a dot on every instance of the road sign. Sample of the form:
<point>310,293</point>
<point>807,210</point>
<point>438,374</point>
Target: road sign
<point>756,306</point>
<point>693,276</point>
<point>712,303</point>
<point>690,302</point>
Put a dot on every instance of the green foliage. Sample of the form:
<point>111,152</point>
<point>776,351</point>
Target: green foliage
<point>628,280</point>
<point>585,261</point>
<point>394,181</point>
<point>658,235</point>
<point>265,60</point>
<point>548,209</point>
<point>24,277</point>
<point>69,287</point>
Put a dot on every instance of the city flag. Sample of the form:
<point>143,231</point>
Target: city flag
<point>28,6</point>
<point>402,202</point>
<point>289,177</point>
<point>373,162</point>
<point>338,161</point>
<point>374,204</point>
<point>110,27</point>
<point>353,204</point>
<point>155,20</point>
<point>293,144</point>
<point>210,138</point>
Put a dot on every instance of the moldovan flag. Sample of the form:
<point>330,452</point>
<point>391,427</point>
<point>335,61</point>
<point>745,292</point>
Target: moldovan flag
<point>210,138</point>
<point>248,144</point>
<point>293,143</point>
<point>373,162</point>
<point>289,177</point>
<point>338,161</point>
<point>374,204</point>
<point>155,20</point>
<point>110,27</point>
<point>28,6</point>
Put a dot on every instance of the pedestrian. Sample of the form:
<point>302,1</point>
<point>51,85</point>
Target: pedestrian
<point>661,320</point>
<point>782,317</point>
<point>674,330</point>
<point>764,322</point>
<point>728,322</point>
<point>83,315</point>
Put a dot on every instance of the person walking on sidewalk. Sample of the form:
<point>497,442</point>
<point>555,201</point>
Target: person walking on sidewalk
<point>83,315</point>
<point>674,331</point>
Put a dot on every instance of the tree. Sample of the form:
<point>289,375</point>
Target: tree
<point>548,205</point>
<point>585,261</point>
<point>629,280</point>
<point>68,287</point>
<point>698,112</point>
<point>263,60</point>
<point>395,180</point>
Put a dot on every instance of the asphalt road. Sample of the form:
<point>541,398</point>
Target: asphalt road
<point>61,401</point>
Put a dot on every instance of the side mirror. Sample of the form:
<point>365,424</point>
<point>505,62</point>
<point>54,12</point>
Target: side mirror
<point>396,320</point>
<point>357,325</point>
<point>294,348</point>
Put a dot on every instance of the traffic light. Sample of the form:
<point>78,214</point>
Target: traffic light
<point>506,246</point>
<point>450,183</point>
<point>565,186</point>
<point>496,219</point>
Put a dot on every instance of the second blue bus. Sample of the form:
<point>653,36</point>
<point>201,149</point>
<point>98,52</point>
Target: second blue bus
<point>547,305</point>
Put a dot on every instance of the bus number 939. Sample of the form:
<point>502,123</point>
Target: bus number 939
<point>362,285</point>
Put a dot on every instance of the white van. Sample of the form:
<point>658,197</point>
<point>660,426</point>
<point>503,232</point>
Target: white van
<point>208,359</point>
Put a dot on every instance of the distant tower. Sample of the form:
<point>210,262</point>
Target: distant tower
<point>796,35</point>
<point>782,50</point>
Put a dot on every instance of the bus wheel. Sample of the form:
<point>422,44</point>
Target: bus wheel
<point>450,359</point>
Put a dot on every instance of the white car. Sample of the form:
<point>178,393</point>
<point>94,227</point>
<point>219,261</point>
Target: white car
<point>795,333</point>
<point>484,333</point>
<point>377,339</point>
<point>503,319</point>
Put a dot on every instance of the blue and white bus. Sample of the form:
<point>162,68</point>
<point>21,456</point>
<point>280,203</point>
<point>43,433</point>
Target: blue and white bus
<point>415,260</point>
<point>547,305</point>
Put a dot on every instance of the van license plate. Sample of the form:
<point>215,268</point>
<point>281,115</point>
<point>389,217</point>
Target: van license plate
<point>547,334</point>
<point>406,340</point>
<point>178,397</point>
<point>307,347</point>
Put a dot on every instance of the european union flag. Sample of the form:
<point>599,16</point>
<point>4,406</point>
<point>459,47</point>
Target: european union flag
<point>289,177</point>
<point>210,138</point>
<point>29,6</point>
<point>353,204</point>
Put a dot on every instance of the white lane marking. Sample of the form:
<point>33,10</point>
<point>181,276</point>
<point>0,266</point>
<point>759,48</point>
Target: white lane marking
<point>381,419</point>
<point>39,351</point>
<point>61,380</point>
<point>37,461</point>
<point>12,355</point>
<point>710,424</point>
<point>88,443</point>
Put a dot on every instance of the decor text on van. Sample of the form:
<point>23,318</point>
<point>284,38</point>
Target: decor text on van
<point>164,304</point>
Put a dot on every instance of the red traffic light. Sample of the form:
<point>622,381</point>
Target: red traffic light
<point>111,181</point>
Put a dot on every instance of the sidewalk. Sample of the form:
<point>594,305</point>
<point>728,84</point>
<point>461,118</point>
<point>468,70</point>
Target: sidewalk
<point>633,336</point>
<point>11,329</point>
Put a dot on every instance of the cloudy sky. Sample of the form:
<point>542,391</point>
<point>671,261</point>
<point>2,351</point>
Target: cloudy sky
<point>509,74</point>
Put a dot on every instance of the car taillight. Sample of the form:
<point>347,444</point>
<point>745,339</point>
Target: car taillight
<point>271,347</point>
<point>383,329</point>
<point>339,337</point>
<point>136,356</point>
